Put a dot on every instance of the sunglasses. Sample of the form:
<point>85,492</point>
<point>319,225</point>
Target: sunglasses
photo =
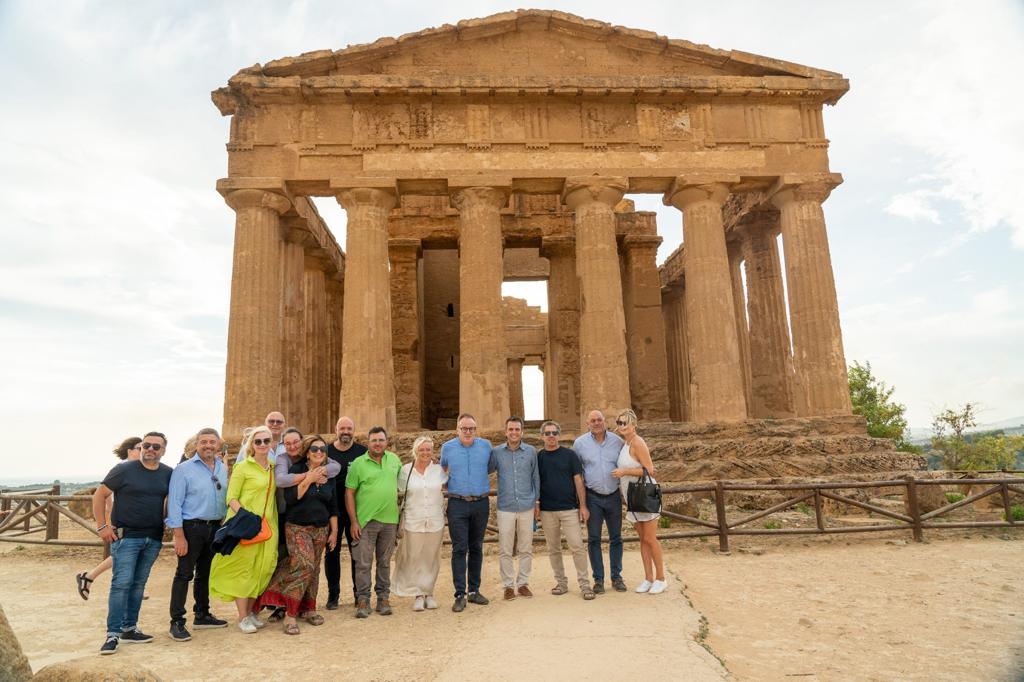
<point>550,433</point>
<point>318,448</point>
<point>156,447</point>
<point>619,422</point>
<point>216,482</point>
<point>261,441</point>
<point>275,421</point>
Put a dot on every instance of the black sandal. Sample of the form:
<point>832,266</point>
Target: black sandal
<point>83,582</point>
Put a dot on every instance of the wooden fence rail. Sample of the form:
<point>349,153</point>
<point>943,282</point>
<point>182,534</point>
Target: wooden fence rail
<point>29,512</point>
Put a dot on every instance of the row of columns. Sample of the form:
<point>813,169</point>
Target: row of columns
<point>729,352</point>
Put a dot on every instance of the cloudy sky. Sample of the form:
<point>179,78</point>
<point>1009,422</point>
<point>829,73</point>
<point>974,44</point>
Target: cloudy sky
<point>116,252</point>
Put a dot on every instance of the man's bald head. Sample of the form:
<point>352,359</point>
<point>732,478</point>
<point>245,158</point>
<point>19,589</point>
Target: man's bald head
<point>595,420</point>
<point>275,422</point>
<point>344,430</point>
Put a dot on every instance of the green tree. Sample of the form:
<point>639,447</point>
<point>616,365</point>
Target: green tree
<point>872,399</point>
<point>962,450</point>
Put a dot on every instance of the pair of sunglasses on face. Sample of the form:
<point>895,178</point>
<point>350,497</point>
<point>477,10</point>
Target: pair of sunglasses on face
<point>155,447</point>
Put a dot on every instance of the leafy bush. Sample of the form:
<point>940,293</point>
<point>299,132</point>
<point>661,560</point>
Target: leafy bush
<point>772,525</point>
<point>954,497</point>
<point>1016,512</point>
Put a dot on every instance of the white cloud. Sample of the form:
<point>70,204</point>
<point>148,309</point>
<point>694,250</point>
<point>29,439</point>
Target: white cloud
<point>915,205</point>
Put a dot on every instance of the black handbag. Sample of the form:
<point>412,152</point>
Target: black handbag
<point>643,495</point>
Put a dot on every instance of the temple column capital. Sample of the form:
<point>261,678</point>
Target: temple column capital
<point>466,198</point>
<point>384,199</point>
<point>257,198</point>
<point>815,187</point>
<point>687,190</point>
<point>586,189</point>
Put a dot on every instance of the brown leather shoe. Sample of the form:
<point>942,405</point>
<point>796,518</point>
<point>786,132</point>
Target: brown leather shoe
<point>509,594</point>
<point>524,591</point>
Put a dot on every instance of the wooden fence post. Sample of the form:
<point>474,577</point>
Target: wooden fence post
<point>914,509</point>
<point>1007,508</point>
<point>723,525</point>
<point>52,516</point>
<point>819,515</point>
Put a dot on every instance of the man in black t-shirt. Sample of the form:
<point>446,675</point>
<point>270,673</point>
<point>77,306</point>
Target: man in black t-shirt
<point>563,508</point>
<point>343,450</point>
<point>135,532</point>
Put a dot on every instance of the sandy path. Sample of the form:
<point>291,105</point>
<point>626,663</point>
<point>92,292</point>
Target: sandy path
<point>950,609</point>
<point>544,638</point>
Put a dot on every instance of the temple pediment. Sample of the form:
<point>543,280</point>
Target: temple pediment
<point>532,49</point>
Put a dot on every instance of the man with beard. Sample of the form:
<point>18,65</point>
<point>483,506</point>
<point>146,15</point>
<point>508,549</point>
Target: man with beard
<point>344,450</point>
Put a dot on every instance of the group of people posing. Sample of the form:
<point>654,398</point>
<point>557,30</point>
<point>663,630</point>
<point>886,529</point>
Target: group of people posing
<point>258,536</point>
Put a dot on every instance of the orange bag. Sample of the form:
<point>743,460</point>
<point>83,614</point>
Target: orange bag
<point>265,531</point>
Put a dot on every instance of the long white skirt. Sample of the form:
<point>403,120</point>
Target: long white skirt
<point>416,564</point>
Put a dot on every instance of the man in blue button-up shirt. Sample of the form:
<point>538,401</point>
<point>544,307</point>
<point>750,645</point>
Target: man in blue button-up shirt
<point>598,450</point>
<point>196,504</point>
<point>518,490</point>
<point>467,459</point>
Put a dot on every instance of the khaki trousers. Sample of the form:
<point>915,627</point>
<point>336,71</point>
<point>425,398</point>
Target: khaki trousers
<point>515,529</point>
<point>565,523</point>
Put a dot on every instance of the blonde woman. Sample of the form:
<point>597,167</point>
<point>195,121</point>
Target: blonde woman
<point>633,459</point>
<point>422,522</point>
<point>243,575</point>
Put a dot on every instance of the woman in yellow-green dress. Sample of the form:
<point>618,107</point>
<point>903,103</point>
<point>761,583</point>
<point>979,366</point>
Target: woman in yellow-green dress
<point>243,575</point>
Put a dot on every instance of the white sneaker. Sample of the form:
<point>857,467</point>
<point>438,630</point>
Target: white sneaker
<point>255,620</point>
<point>246,626</point>
<point>658,586</point>
<point>643,587</point>
<point>429,602</point>
<point>418,604</point>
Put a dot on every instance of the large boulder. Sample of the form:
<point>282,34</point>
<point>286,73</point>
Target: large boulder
<point>82,507</point>
<point>95,669</point>
<point>14,666</point>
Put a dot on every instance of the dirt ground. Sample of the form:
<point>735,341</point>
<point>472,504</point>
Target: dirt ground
<point>874,608</point>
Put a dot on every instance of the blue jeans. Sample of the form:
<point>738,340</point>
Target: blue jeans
<point>133,558</point>
<point>467,523</point>
<point>606,509</point>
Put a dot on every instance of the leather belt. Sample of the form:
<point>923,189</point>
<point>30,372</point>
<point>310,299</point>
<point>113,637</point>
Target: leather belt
<point>468,498</point>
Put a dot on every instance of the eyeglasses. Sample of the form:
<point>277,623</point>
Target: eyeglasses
<point>275,421</point>
<point>318,448</point>
<point>261,441</point>
<point>156,447</point>
<point>619,422</point>
<point>216,481</point>
<point>467,429</point>
<point>550,433</point>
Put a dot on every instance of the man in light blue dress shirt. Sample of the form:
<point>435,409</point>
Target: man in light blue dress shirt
<point>196,505</point>
<point>598,450</point>
<point>518,490</point>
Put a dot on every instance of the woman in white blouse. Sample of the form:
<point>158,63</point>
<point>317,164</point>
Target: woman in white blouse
<point>419,551</point>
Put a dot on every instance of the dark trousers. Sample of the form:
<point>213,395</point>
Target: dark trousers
<point>607,510</point>
<point>194,565</point>
<point>332,562</point>
<point>467,523</point>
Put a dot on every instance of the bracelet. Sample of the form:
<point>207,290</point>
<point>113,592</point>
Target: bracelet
<point>105,525</point>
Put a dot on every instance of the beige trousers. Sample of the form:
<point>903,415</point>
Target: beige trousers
<point>565,523</point>
<point>515,530</point>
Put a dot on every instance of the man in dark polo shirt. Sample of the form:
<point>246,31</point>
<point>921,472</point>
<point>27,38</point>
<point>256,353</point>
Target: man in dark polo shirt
<point>563,508</point>
<point>135,531</point>
<point>344,451</point>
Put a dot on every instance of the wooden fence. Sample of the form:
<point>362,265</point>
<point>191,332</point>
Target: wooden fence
<point>29,512</point>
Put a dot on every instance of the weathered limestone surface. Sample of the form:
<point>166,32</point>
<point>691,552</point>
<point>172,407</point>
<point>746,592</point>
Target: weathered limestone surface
<point>296,368</point>
<point>405,332</point>
<point>13,663</point>
<point>603,372</point>
<point>368,392</point>
<point>674,312</point>
<point>813,308</point>
<point>441,309</point>
<point>483,374</point>
<point>562,372</point>
<point>515,387</point>
<point>253,375</point>
<point>734,249</point>
<point>96,669</point>
<point>645,330</point>
<point>716,381</point>
<point>317,345</point>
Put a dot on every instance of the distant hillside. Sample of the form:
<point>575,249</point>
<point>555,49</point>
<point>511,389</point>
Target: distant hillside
<point>65,488</point>
<point>1014,426</point>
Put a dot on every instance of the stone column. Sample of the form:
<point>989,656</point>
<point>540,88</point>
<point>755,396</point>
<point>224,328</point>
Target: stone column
<point>367,368</point>
<point>483,374</point>
<point>515,387</point>
<point>771,363</point>
<point>335,303</point>
<point>645,327</point>
<point>604,373</point>
<point>562,369</point>
<point>739,300</point>
<point>818,360</point>
<point>716,379</point>
<point>295,367</point>
<point>252,381</point>
<point>675,346</point>
<point>316,348</point>
<point>405,332</point>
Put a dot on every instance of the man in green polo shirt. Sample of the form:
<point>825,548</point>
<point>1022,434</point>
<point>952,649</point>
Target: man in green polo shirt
<point>371,498</point>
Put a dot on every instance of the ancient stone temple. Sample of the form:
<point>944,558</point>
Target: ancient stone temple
<point>504,149</point>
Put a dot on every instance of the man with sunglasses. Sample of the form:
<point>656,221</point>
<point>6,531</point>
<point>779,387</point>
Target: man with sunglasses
<point>598,450</point>
<point>135,532</point>
<point>196,505</point>
<point>276,422</point>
